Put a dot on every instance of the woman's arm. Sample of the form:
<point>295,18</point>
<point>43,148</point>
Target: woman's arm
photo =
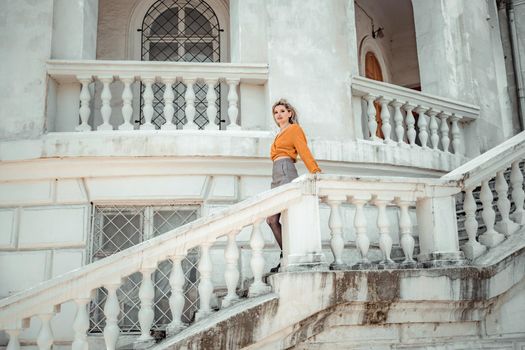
<point>301,145</point>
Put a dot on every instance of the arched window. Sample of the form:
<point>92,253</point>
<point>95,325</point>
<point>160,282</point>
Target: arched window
<point>180,30</point>
<point>183,31</point>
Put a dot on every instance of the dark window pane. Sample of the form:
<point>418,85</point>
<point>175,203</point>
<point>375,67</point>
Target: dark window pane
<point>196,23</point>
<point>166,23</point>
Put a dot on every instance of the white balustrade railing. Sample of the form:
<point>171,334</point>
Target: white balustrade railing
<point>165,74</point>
<point>435,216</point>
<point>437,126</point>
<point>479,173</point>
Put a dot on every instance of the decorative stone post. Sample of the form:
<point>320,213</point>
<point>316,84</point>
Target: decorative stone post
<point>303,251</point>
<point>438,231</point>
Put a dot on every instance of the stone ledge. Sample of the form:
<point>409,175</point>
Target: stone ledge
<point>244,144</point>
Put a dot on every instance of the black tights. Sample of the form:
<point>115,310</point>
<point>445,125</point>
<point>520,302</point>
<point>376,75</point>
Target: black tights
<point>275,225</point>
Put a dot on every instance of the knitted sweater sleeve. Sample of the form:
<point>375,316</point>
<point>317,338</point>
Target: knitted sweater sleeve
<point>301,146</point>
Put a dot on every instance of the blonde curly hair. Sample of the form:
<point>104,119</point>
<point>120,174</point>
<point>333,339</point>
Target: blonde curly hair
<point>289,107</point>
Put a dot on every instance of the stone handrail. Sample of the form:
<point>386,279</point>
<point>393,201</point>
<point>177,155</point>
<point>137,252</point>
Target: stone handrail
<point>166,74</point>
<point>479,172</point>
<point>44,299</point>
<point>437,122</point>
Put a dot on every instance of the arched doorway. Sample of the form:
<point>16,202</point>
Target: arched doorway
<point>182,31</point>
<point>373,71</point>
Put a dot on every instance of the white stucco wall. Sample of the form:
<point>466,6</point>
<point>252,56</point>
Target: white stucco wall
<point>312,54</point>
<point>460,58</point>
<point>25,45</point>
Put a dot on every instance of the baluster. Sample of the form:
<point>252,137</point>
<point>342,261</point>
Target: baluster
<point>490,238</point>
<point>45,335</point>
<point>445,140</point>
<point>233,109</point>
<point>472,248</point>
<point>505,225</point>
<point>398,120</point>
<point>371,113</point>
<point>111,311</point>
<point>456,135</point>
<point>105,110</point>
<point>335,224</point>
<point>147,110</point>
<point>405,228</point>
<point>81,325</point>
<point>422,125</point>
<point>127,109</point>
<point>189,96</point>
<point>211,111</point>
<point>386,128</point>
<point>176,300</point>
<point>14,343</point>
<point>146,314</point>
<point>434,137</point>
<point>362,241</point>
<point>516,179</point>
<point>205,285</point>
<point>169,110</point>
<point>84,110</point>
<point>410,121</point>
<point>231,273</point>
<point>385,241</point>
<point>258,287</point>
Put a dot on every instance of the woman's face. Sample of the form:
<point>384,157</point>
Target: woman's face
<point>282,115</point>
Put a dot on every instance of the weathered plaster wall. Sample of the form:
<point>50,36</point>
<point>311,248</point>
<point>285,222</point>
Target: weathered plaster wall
<point>25,45</point>
<point>311,54</point>
<point>460,58</point>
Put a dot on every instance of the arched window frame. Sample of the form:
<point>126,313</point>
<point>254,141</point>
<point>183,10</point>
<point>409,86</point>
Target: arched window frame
<point>134,42</point>
<point>368,44</point>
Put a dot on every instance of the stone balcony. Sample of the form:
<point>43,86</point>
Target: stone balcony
<point>158,109</point>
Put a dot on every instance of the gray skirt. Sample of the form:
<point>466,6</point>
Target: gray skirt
<point>283,172</point>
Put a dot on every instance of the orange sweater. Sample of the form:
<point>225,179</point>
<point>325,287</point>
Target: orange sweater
<point>290,142</point>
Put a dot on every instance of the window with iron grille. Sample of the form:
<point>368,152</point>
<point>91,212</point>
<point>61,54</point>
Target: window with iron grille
<point>187,31</point>
<point>115,228</point>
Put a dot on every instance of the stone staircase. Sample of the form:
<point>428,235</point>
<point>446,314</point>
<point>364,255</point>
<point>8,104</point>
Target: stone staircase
<point>307,304</point>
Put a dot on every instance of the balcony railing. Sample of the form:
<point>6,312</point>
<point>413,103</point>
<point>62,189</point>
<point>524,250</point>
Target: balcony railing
<point>130,90</point>
<point>411,118</point>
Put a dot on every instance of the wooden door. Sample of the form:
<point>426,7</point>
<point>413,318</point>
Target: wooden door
<point>373,71</point>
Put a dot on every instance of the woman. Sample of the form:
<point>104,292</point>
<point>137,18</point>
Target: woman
<point>289,142</point>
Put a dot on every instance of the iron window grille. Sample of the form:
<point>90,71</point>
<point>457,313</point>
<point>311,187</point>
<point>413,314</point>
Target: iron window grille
<point>115,228</point>
<point>187,31</point>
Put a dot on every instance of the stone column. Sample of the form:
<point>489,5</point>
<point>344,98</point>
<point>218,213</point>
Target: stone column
<point>74,37</point>
<point>248,43</point>
<point>312,53</point>
<point>460,58</point>
<point>75,29</point>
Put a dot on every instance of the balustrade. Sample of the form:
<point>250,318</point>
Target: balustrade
<point>481,172</point>
<point>438,119</point>
<point>193,84</point>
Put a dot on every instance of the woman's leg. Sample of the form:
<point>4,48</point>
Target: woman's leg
<point>275,225</point>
